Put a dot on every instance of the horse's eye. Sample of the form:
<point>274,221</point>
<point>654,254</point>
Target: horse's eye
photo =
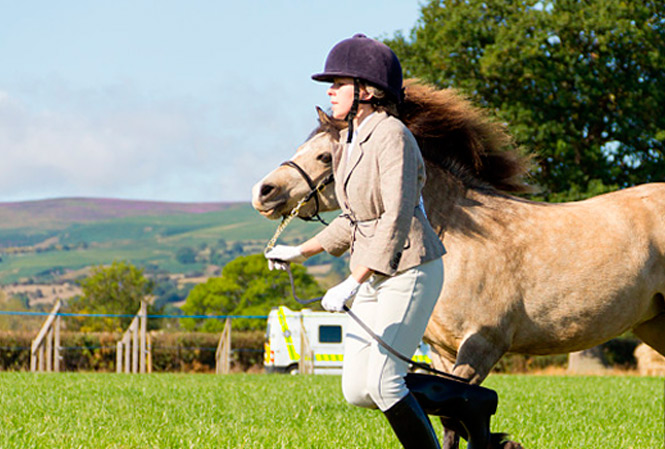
<point>326,158</point>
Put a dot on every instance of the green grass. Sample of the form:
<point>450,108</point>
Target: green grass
<point>260,411</point>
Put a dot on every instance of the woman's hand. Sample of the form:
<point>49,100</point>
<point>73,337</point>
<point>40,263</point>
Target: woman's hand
<point>281,256</point>
<point>335,298</point>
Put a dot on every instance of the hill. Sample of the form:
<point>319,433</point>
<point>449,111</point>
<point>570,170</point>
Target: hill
<point>58,213</point>
<point>48,241</point>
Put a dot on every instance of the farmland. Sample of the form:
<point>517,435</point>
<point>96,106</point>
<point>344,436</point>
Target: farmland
<point>48,240</point>
<point>74,410</point>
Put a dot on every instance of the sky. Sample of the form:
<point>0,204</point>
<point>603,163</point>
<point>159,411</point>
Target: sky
<point>186,101</point>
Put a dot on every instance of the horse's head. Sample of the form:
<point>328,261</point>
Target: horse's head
<point>279,192</point>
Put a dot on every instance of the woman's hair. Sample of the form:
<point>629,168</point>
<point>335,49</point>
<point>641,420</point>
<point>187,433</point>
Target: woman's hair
<point>381,100</point>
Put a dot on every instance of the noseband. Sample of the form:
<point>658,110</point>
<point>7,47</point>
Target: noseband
<point>313,192</point>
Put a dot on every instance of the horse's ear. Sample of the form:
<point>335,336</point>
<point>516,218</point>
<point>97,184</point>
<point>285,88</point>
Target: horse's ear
<point>323,117</point>
<point>326,119</point>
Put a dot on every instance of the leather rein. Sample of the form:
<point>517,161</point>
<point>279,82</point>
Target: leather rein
<point>314,193</point>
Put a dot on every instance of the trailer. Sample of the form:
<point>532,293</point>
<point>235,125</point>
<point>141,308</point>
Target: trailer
<point>323,333</point>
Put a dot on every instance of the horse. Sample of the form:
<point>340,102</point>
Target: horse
<point>521,276</point>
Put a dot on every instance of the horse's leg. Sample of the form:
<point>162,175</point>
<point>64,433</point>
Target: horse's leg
<point>475,358</point>
<point>450,437</point>
<point>652,333</point>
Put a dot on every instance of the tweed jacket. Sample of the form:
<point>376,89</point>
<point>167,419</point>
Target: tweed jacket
<point>378,189</point>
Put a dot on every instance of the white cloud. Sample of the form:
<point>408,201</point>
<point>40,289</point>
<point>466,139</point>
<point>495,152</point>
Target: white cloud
<point>112,142</point>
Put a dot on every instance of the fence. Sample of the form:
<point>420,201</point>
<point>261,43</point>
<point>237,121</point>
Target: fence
<point>223,354</point>
<point>45,349</point>
<point>306,361</point>
<point>133,350</point>
<point>134,346</point>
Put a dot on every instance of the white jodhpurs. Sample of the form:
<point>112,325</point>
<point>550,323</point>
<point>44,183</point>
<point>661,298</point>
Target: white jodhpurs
<point>397,308</point>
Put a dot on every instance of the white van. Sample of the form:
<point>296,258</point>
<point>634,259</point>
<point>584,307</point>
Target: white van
<point>324,332</point>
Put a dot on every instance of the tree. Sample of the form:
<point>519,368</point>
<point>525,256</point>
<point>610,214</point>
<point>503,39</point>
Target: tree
<point>246,287</point>
<point>116,289</point>
<point>581,83</point>
<point>186,255</point>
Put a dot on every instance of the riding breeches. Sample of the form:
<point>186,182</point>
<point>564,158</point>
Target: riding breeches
<point>397,308</point>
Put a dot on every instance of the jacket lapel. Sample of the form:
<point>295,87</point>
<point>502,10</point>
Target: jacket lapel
<point>356,156</point>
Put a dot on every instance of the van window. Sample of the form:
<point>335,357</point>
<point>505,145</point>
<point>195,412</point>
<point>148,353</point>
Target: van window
<point>330,334</point>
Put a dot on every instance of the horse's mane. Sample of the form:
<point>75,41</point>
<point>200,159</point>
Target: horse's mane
<point>455,136</point>
<point>459,137</point>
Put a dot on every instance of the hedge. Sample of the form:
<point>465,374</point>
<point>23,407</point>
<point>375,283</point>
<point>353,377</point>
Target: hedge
<point>171,352</point>
<point>195,352</point>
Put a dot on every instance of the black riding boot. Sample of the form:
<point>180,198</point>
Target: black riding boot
<point>470,405</point>
<point>411,425</point>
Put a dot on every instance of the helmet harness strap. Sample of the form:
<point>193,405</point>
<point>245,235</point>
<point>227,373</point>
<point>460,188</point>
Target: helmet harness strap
<point>354,108</point>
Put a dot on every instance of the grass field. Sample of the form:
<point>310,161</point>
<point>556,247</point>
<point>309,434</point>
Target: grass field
<point>261,411</point>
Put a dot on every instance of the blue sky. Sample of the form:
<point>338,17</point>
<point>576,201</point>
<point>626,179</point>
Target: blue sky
<point>165,100</point>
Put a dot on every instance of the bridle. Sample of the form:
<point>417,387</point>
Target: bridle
<point>314,190</point>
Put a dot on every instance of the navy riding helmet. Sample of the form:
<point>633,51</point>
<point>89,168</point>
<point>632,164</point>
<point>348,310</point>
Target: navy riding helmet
<point>366,59</point>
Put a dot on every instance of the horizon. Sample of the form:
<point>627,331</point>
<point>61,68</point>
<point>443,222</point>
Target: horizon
<point>163,100</point>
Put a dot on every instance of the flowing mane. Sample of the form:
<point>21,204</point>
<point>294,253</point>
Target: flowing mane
<point>462,139</point>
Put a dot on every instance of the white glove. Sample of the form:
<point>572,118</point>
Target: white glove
<point>340,294</point>
<point>280,256</point>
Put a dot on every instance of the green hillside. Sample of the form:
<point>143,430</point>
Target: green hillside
<point>160,237</point>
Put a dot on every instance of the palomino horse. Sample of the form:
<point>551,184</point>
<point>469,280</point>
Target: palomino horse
<point>520,276</point>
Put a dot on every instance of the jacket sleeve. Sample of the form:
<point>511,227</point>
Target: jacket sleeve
<point>336,237</point>
<point>398,163</point>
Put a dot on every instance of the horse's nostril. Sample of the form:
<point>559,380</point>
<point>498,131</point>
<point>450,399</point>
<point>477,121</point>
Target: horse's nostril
<point>266,189</point>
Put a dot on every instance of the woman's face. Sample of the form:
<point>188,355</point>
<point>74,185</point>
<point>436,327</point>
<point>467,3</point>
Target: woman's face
<point>341,96</point>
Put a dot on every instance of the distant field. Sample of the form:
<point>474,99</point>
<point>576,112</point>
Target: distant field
<point>150,240</point>
<point>262,411</point>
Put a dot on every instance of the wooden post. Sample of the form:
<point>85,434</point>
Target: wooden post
<point>128,356</point>
<point>118,357</point>
<point>306,362</point>
<point>49,350</point>
<point>56,349</point>
<point>41,348</point>
<point>222,356</point>
<point>135,345</point>
<point>149,354</point>
<point>143,320</point>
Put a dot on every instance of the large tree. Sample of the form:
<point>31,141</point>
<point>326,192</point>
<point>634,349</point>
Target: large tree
<point>579,82</point>
<point>116,290</point>
<point>246,287</point>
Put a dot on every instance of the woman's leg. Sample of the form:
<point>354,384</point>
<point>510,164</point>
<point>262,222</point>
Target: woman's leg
<point>398,309</point>
<point>404,306</point>
<point>357,347</point>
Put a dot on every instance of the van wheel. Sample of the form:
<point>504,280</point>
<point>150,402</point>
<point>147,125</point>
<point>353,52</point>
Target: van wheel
<point>293,370</point>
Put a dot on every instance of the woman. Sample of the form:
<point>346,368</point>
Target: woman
<point>396,267</point>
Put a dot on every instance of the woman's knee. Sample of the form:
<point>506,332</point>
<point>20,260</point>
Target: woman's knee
<point>356,393</point>
<point>387,390</point>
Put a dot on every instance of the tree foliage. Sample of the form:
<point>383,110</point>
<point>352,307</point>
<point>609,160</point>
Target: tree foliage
<point>115,289</point>
<point>580,82</point>
<point>246,287</point>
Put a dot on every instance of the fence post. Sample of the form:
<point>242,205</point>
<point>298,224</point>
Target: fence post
<point>222,355</point>
<point>133,352</point>
<point>39,348</point>
<point>143,319</point>
<point>306,362</point>
<point>56,348</point>
<point>149,355</point>
<point>118,357</point>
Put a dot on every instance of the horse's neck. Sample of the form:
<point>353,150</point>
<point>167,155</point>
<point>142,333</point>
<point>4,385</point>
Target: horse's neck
<point>450,204</point>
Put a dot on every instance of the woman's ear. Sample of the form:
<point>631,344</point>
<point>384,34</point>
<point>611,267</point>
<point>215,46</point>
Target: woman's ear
<point>365,94</point>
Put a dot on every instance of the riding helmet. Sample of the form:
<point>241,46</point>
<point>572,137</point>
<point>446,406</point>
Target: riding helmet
<point>367,59</point>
